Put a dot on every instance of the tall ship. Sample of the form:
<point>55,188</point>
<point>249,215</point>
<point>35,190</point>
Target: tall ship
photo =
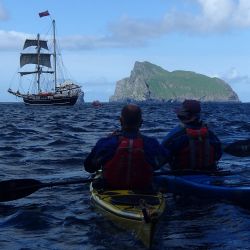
<point>45,83</point>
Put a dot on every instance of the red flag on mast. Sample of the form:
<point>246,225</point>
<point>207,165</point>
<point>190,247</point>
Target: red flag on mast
<point>45,13</point>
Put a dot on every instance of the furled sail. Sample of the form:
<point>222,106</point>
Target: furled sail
<point>34,42</point>
<point>22,73</point>
<point>32,58</point>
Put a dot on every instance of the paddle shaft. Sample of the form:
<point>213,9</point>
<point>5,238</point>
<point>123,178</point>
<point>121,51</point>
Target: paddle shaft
<point>19,188</point>
<point>62,183</point>
<point>240,148</point>
<point>194,172</point>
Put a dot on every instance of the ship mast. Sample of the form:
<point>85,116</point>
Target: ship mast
<point>54,54</point>
<point>38,63</point>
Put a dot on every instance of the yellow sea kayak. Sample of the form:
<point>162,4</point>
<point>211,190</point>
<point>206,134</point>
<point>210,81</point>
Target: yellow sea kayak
<point>138,213</point>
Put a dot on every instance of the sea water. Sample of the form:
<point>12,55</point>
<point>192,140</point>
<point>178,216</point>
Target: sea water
<point>50,143</point>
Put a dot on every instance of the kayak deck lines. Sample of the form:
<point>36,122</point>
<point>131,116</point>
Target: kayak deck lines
<point>134,212</point>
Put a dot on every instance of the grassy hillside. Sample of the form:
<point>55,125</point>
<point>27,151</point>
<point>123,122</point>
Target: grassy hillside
<point>174,84</point>
<point>151,82</point>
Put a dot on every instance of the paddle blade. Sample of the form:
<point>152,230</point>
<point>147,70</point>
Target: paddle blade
<point>239,148</point>
<point>15,189</point>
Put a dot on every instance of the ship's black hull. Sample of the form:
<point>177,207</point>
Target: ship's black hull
<point>50,100</point>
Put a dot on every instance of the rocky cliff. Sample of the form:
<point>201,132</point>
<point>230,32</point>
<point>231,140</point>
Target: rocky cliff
<point>151,82</point>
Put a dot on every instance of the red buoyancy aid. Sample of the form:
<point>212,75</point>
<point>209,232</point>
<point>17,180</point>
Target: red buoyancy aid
<point>128,169</point>
<point>199,154</point>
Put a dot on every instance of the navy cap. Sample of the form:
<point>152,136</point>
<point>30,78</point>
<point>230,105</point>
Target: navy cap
<point>189,110</point>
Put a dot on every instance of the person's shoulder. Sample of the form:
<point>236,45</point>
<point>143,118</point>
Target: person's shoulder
<point>174,134</point>
<point>208,127</point>
<point>146,137</point>
<point>211,132</point>
<point>149,139</point>
<point>115,133</point>
<point>108,139</point>
<point>177,130</point>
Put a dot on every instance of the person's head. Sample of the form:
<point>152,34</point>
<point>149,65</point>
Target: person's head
<point>131,117</point>
<point>189,111</point>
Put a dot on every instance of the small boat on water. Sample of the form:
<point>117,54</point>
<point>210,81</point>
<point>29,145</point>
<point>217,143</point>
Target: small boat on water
<point>47,85</point>
<point>135,212</point>
<point>96,104</point>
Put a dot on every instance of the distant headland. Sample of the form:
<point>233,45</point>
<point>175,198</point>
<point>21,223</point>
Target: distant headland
<point>149,82</point>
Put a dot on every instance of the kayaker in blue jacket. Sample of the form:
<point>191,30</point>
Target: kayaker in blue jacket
<point>127,158</point>
<point>192,145</point>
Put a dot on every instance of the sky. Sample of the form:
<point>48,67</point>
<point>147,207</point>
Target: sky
<point>100,40</point>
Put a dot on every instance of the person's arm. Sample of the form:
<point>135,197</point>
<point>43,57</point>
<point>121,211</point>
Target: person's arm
<point>167,140</point>
<point>91,165</point>
<point>100,154</point>
<point>156,155</point>
<point>214,140</point>
<point>174,140</point>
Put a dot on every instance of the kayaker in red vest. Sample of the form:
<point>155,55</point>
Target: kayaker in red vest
<point>192,145</point>
<point>127,158</point>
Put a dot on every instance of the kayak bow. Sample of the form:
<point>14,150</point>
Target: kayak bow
<point>131,211</point>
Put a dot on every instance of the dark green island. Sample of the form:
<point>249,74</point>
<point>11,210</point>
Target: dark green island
<point>149,82</point>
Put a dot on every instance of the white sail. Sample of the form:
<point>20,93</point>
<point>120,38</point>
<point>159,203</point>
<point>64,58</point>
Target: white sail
<point>33,58</point>
<point>34,42</point>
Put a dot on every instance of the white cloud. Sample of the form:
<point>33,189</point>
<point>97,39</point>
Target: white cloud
<point>240,83</point>
<point>3,12</point>
<point>232,74</point>
<point>224,14</point>
<point>213,16</point>
<point>100,87</point>
<point>92,42</point>
<point>217,12</point>
<point>11,39</point>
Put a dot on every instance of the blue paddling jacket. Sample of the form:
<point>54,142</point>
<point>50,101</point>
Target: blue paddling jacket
<point>193,147</point>
<point>105,149</point>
